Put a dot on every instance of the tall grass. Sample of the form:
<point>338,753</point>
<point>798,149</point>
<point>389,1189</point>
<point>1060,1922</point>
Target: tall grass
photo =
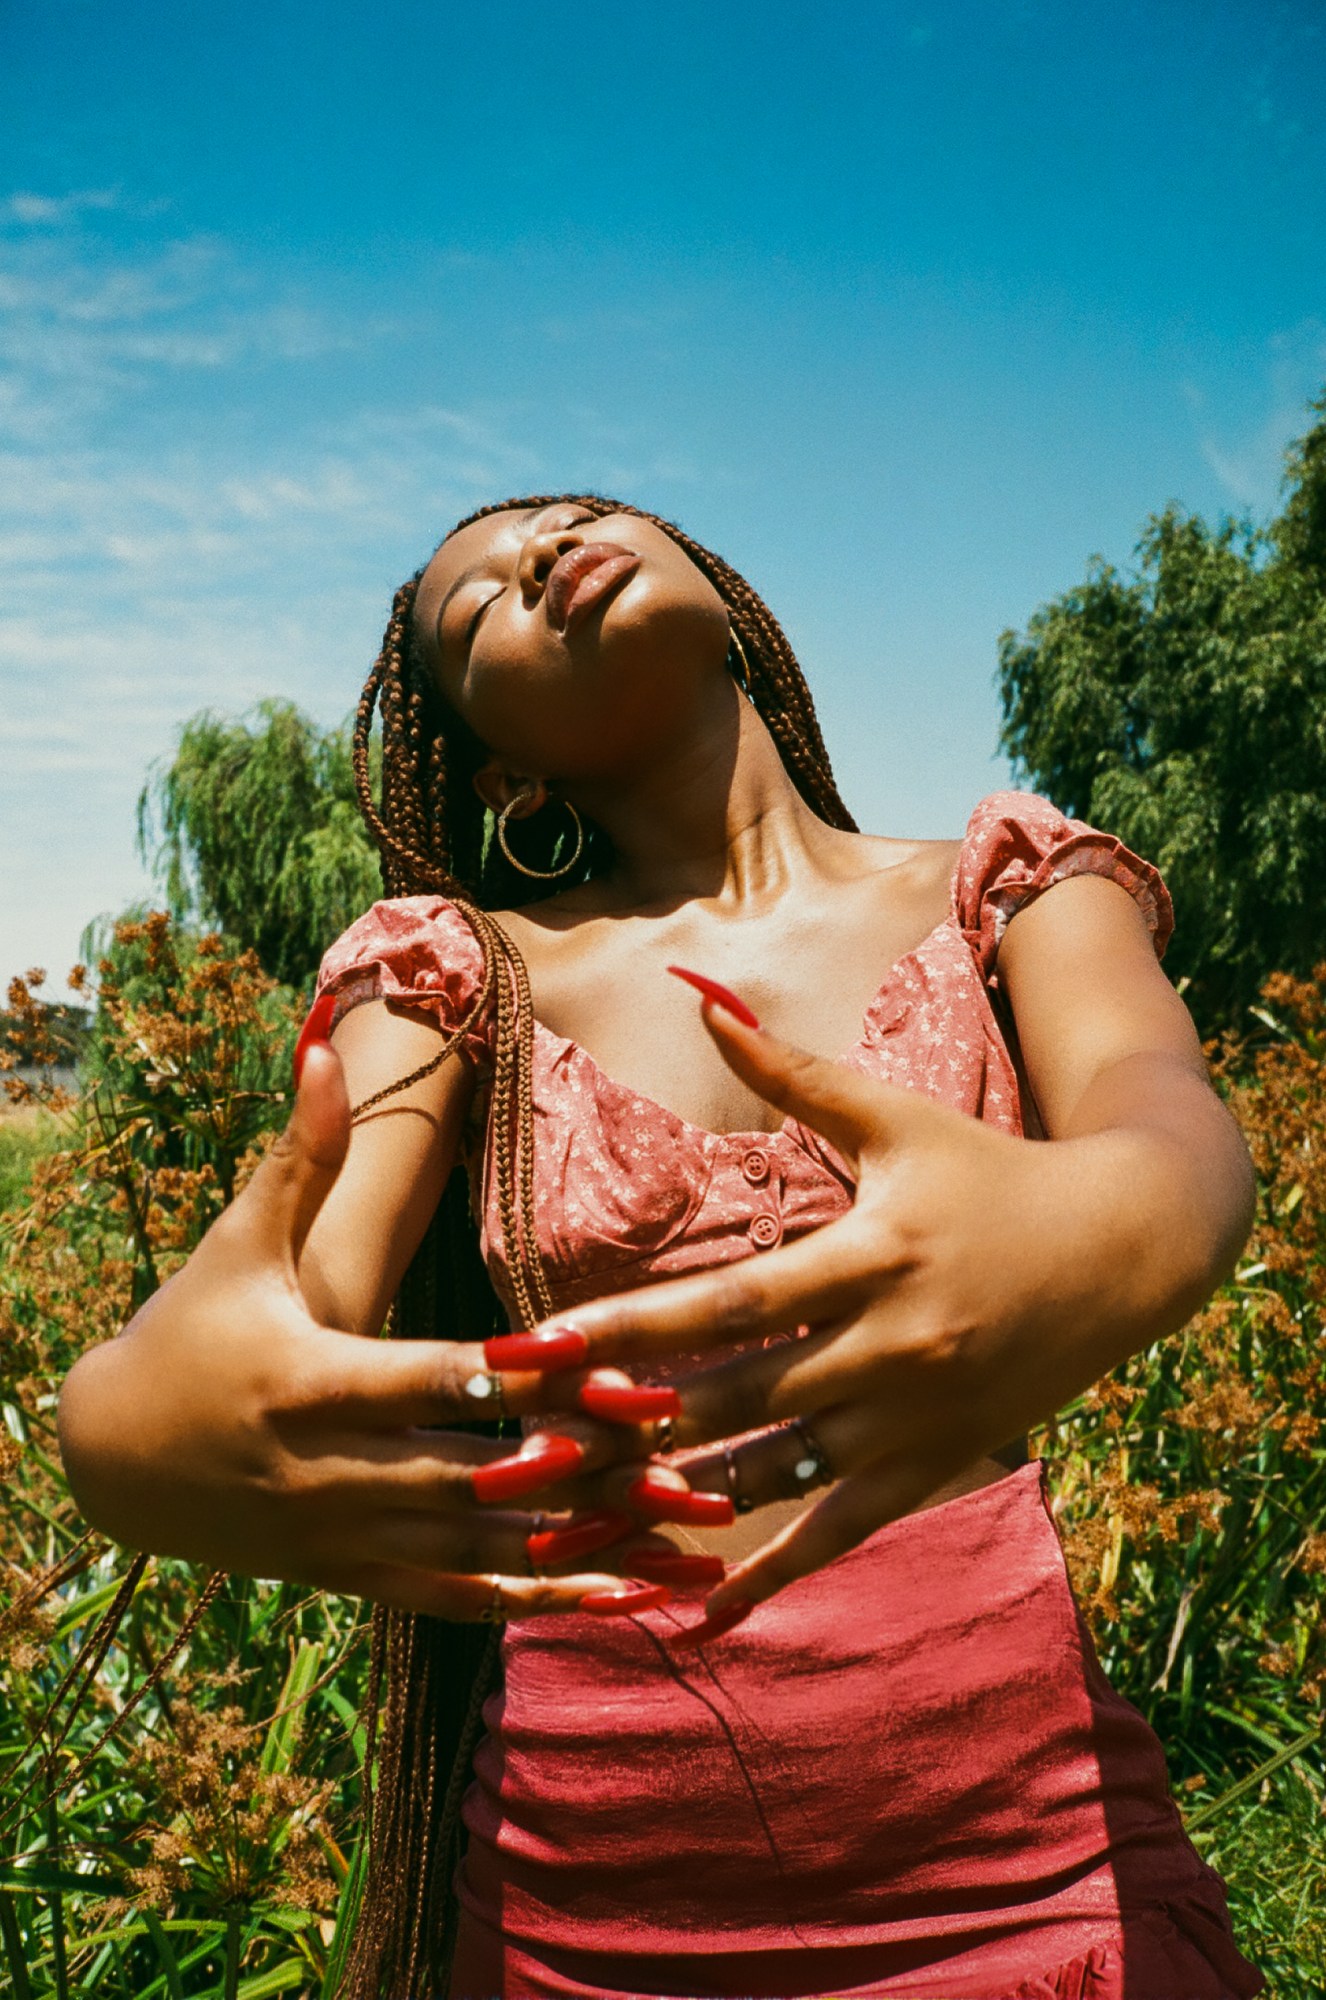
<point>1191,1495</point>
<point>207,1846</point>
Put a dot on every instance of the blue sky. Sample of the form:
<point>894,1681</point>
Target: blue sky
<point>907,310</point>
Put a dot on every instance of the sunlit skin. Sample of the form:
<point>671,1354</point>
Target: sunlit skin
<point>979,1282</point>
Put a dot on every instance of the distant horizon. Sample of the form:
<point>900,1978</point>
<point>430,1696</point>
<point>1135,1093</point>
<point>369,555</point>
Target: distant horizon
<point>909,318</point>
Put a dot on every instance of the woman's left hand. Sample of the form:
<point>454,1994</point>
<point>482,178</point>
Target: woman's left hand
<point>979,1282</point>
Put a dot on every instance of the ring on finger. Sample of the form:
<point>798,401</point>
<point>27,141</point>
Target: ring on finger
<point>540,1521</point>
<point>741,1501</point>
<point>812,1466</point>
<point>664,1441</point>
<point>485,1387</point>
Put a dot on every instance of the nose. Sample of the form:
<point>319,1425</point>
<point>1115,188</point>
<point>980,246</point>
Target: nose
<point>538,557</point>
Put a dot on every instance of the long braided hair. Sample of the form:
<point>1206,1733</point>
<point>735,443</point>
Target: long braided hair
<point>429,1678</point>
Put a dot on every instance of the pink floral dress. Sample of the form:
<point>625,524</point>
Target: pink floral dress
<point>906,1774</point>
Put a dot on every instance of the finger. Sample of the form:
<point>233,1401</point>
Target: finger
<point>493,1598</point>
<point>299,1172</point>
<point>664,1494</point>
<point>434,1471</point>
<point>490,1543</point>
<point>547,1459</point>
<point>848,1514</point>
<point>852,1111</point>
<point>440,1481</point>
<point>391,1384</point>
<point>564,1548</point>
<point>772,1384</point>
<point>881,1369</point>
<point>387,1384</point>
<point>787,1461</point>
<point>827,1275</point>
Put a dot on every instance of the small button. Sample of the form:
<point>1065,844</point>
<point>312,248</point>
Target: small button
<point>755,1166</point>
<point>764,1231</point>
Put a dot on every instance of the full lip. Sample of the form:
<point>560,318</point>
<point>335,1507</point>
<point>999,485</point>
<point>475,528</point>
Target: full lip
<point>582,578</point>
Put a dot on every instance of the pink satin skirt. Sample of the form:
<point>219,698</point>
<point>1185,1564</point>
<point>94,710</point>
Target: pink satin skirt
<point>906,1775</point>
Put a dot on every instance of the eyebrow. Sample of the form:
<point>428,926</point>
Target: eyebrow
<point>468,576</point>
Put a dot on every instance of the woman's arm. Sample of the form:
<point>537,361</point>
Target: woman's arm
<point>399,1158</point>
<point>1113,1058</point>
<point>240,1422</point>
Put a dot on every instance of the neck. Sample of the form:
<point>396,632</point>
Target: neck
<point>716,817</point>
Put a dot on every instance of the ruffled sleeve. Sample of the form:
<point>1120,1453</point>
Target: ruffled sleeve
<point>1018,845</point>
<point>419,950</point>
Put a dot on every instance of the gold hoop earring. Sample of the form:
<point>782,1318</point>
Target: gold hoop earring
<point>540,874</point>
<point>741,678</point>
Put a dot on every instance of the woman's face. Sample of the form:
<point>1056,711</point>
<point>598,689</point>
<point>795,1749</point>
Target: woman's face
<point>573,646</point>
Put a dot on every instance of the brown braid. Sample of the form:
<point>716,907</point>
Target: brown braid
<point>428,1678</point>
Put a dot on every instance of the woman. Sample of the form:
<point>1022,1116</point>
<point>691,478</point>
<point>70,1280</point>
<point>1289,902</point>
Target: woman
<point>796,1699</point>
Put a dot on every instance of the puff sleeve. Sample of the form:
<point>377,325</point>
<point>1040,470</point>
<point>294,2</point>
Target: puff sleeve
<point>1018,845</point>
<point>419,950</point>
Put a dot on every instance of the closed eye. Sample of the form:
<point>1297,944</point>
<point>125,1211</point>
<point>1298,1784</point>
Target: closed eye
<point>581,517</point>
<point>475,622</point>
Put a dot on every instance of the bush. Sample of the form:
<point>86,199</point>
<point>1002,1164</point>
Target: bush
<point>196,1850</point>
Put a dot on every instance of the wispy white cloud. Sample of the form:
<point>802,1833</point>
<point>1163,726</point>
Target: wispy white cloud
<point>180,529</point>
<point>1248,460</point>
<point>54,211</point>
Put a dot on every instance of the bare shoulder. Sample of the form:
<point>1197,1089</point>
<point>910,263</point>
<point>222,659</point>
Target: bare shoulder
<point>557,936</point>
<point>919,872</point>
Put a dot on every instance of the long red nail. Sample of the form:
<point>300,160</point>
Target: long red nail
<point>546,1457</point>
<point>317,1028</point>
<point>671,1566</point>
<point>628,1406</point>
<point>712,1627</point>
<point>621,1603</point>
<point>577,1538</point>
<point>660,1502</point>
<point>720,995</point>
<point>560,1347</point>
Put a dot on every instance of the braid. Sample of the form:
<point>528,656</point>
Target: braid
<point>428,1678</point>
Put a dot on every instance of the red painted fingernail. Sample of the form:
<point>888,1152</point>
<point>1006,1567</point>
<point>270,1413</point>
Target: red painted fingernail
<point>560,1347</point>
<point>621,1603</point>
<point>545,1458</point>
<point>671,1566</point>
<point>720,995</point>
<point>577,1537</point>
<point>660,1502</point>
<point>712,1627</point>
<point>317,1028</point>
<point>628,1406</point>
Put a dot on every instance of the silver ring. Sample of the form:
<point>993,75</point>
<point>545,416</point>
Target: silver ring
<point>742,1504</point>
<point>812,1467</point>
<point>537,1528</point>
<point>664,1441</point>
<point>487,1388</point>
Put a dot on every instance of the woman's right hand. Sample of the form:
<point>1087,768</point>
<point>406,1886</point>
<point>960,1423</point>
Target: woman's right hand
<point>228,1426</point>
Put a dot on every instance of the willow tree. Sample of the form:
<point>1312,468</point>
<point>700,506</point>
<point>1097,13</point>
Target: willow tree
<point>252,828</point>
<point>1183,707</point>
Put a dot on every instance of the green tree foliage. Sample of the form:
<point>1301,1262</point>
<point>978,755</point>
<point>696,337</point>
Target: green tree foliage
<point>1184,708</point>
<point>253,828</point>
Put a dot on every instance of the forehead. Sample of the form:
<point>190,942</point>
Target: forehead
<point>467,546</point>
